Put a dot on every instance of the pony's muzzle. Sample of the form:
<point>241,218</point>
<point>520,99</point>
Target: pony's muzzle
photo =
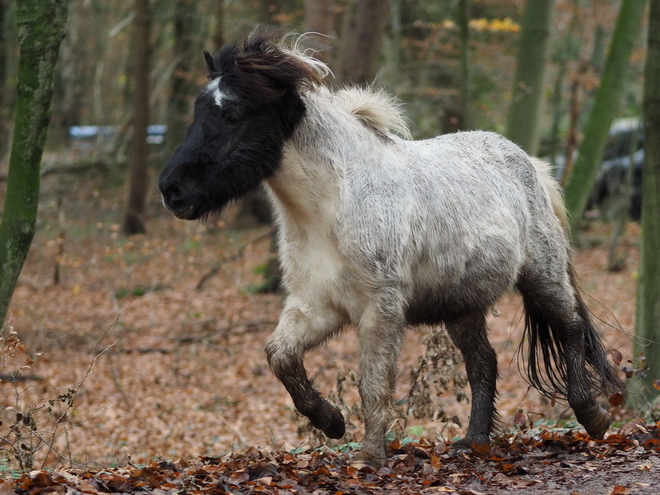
<point>177,201</point>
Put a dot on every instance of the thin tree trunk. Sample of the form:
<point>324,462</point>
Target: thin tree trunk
<point>219,30</point>
<point>565,52</point>
<point>41,25</point>
<point>184,84</point>
<point>361,41</point>
<point>70,79</point>
<point>527,94</point>
<point>464,25</point>
<point>590,153</point>
<point>647,328</point>
<point>134,217</point>
<point>319,18</point>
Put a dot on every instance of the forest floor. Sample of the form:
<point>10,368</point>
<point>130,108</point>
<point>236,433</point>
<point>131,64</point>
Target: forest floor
<point>137,365</point>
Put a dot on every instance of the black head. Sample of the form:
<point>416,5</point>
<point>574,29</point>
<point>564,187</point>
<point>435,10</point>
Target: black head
<point>243,117</point>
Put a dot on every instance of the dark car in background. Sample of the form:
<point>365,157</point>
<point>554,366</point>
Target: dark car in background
<point>624,149</point>
<point>625,145</point>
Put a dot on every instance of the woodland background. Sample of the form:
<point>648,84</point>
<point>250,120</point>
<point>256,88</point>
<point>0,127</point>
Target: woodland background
<point>130,339</point>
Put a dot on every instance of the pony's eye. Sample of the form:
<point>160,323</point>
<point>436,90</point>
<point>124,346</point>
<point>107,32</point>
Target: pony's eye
<point>232,120</point>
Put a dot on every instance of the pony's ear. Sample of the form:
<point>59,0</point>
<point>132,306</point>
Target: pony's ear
<point>210,62</point>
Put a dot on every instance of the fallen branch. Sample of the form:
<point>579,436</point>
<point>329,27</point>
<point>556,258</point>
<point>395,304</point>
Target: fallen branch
<point>222,332</point>
<point>20,378</point>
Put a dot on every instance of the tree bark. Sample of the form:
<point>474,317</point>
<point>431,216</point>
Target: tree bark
<point>41,25</point>
<point>219,30</point>
<point>134,217</point>
<point>527,94</point>
<point>4,111</point>
<point>606,104</point>
<point>464,26</point>
<point>184,85</point>
<point>361,41</point>
<point>647,328</point>
<point>319,18</point>
<point>70,79</point>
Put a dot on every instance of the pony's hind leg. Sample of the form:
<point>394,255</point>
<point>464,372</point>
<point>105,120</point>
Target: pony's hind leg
<point>560,329</point>
<point>470,335</point>
<point>300,329</point>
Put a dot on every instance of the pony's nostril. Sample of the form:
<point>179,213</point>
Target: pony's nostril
<point>172,192</point>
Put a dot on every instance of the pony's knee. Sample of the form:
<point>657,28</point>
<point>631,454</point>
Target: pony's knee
<point>281,359</point>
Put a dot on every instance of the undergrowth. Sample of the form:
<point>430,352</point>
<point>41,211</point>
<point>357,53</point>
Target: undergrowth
<point>33,431</point>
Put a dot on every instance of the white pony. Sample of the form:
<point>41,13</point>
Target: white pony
<point>382,232</point>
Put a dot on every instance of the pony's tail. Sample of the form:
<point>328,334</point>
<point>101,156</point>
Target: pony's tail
<point>546,367</point>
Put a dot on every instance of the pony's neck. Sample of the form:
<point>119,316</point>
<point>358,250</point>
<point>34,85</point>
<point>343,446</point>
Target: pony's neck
<point>306,187</point>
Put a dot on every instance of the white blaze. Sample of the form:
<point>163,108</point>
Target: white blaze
<point>214,89</point>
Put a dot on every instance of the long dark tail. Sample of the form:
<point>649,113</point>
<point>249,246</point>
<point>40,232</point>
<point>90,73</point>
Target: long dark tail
<point>546,365</point>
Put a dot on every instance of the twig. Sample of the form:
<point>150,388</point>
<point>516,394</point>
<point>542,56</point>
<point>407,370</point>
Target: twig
<point>76,390</point>
<point>232,257</point>
<point>233,428</point>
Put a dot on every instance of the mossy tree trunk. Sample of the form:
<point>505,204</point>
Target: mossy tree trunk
<point>527,94</point>
<point>4,4</point>
<point>41,26</point>
<point>606,105</point>
<point>647,328</point>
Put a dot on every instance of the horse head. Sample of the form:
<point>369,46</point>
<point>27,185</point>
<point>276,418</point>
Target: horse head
<point>248,109</point>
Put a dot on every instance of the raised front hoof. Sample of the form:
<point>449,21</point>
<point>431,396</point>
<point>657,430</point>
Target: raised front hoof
<point>596,423</point>
<point>367,461</point>
<point>337,427</point>
<point>330,421</point>
<point>470,445</point>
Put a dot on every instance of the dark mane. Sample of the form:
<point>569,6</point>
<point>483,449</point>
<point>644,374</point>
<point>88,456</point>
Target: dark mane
<point>262,68</point>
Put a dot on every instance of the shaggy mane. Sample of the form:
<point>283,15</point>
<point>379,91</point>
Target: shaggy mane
<point>269,63</point>
<point>264,68</point>
<point>375,109</point>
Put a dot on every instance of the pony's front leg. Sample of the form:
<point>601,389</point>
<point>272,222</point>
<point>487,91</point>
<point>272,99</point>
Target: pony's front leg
<point>301,328</point>
<point>380,342</point>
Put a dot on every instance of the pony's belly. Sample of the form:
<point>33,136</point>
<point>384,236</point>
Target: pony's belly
<point>440,305</point>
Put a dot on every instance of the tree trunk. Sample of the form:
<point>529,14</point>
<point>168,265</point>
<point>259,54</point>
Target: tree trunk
<point>464,26</point>
<point>596,131</point>
<point>4,110</point>
<point>219,29</point>
<point>134,218</point>
<point>41,25</point>
<point>647,328</point>
<point>266,12</point>
<point>70,79</point>
<point>527,94</point>
<point>184,85</point>
<point>319,18</point>
<point>361,41</point>
<point>566,50</point>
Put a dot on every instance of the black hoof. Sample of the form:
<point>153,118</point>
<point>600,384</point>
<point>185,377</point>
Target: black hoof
<point>330,421</point>
<point>337,427</point>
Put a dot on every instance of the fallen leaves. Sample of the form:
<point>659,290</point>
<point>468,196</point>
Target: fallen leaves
<point>529,462</point>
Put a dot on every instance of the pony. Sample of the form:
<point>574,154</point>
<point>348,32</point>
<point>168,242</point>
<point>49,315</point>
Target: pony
<point>382,232</point>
